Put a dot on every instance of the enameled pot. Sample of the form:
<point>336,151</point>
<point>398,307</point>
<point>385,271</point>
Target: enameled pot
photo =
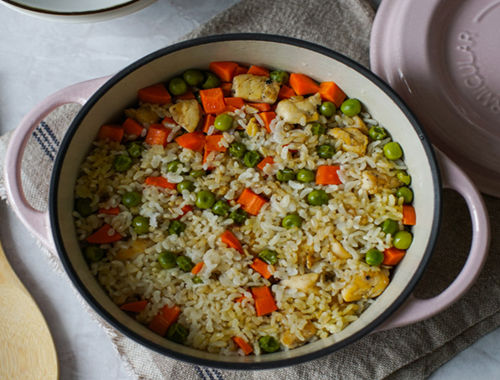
<point>104,99</point>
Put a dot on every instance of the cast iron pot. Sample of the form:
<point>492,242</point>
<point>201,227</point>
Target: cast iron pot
<point>104,99</point>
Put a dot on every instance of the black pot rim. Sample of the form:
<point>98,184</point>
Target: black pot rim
<point>405,293</point>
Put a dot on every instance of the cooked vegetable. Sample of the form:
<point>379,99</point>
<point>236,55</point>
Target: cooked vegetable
<point>261,267</point>
<point>132,127</point>
<point>390,226</point>
<point>84,208</point>
<point>223,122</point>
<point>251,202</point>
<point>393,151</point>
<point>155,94</point>
<point>269,344</point>
<point>285,175</point>
<point>135,307</point>
<point>131,199</point>
<point>185,263</point>
<point>327,109</point>
<point>220,208</point>
<point>292,220</point>
<point>267,160</point>
<point>173,166</point>
<point>245,347</point>
<point>177,333</point>
<point>302,84</point>
<point>393,256</point>
<point>286,92</point>
<point>406,193</point>
<point>279,76</point>
<point>193,77</point>
<point>94,253</point>
<point>207,123</point>
<point>328,175</point>
<point>237,150</point>
<point>235,102</point>
<point>185,185</point>
<point>160,182</point>
<point>252,158</point>
<point>197,280</point>
<point>167,260</point>
<point>377,133</point>
<point>176,227</point>
<point>102,236</point>
<point>140,225</point>
<point>325,151</point>
<point>269,256</point>
<point>402,240</point>
<point>211,81</point>
<point>258,70</point>
<point>157,135</point>
<point>197,268</point>
<point>135,149</point>
<point>164,319</point>
<point>374,257</point>
<point>205,199</point>
<point>109,211</point>
<point>111,132</point>
<point>185,209</point>
<point>318,197</point>
<point>239,216</point>
<point>267,118</point>
<point>331,92</point>
<point>197,173</point>
<point>230,240</point>
<point>317,129</point>
<point>212,100</point>
<point>193,140</point>
<point>263,107</point>
<point>351,107</point>
<point>404,177</point>
<point>177,86</point>
<point>409,215</point>
<point>264,301</point>
<point>224,70</point>
<point>305,176</point>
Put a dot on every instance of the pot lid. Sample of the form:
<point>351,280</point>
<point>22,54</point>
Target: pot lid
<point>443,58</point>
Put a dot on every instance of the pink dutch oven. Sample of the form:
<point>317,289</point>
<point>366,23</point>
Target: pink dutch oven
<point>105,98</point>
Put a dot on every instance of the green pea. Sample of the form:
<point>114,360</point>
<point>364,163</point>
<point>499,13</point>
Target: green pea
<point>292,220</point>
<point>237,150</point>
<point>252,158</point>
<point>122,163</point>
<point>223,122</point>
<point>406,193</point>
<point>185,185</point>
<point>318,198</point>
<point>84,208</point>
<point>173,166</point>
<point>177,86</point>
<point>176,227</point>
<point>197,280</point>
<point>94,253</point>
<point>167,260</point>
<point>269,344</point>
<point>135,149</point>
<point>285,175</point>
<point>327,109</point>
<point>279,76</point>
<point>239,216</point>
<point>393,151</point>
<point>377,133</point>
<point>317,129</point>
<point>306,176</point>
<point>325,151</point>
<point>390,227</point>
<point>270,257</point>
<point>243,134</point>
<point>193,77</point>
<point>197,173</point>
<point>220,208</point>
<point>351,107</point>
<point>131,199</point>
<point>185,263</point>
<point>402,240</point>
<point>205,199</point>
<point>177,333</point>
<point>403,177</point>
<point>211,80</point>
<point>374,257</point>
<point>140,225</point>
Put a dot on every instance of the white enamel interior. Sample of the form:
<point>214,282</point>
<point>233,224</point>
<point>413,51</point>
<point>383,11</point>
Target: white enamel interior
<point>271,54</point>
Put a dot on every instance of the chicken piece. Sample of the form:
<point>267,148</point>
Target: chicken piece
<point>255,88</point>
<point>360,124</point>
<point>301,282</point>
<point>353,140</point>
<point>187,114</point>
<point>221,191</point>
<point>299,110</point>
<point>137,247</point>
<point>253,127</point>
<point>374,182</point>
<point>365,285</point>
<point>291,341</point>
<point>338,250</point>
<point>143,115</point>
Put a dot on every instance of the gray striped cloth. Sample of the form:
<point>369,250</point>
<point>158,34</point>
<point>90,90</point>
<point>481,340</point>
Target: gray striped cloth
<point>407,352</point>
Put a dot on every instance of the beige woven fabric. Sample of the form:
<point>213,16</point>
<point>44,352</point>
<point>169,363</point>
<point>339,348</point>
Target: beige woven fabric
<point>407,352</point>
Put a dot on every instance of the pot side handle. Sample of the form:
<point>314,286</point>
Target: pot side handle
<point>36,221</point>
<point>415,310</point>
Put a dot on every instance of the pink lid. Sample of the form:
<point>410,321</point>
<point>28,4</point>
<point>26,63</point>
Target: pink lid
<point>443,58</point>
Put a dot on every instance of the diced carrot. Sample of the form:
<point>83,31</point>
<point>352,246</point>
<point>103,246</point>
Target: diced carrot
<point>132,127</point>
<point>240,299</point>
<point>236,102</point>
<point>109,211</point>
<point>261,267</point>
<point>264,301</point>
<point>187,96</point>
<point>258,70</point>
<point>228,238</point>
<point>392,256</point>
<point>168,120</point>
<point>245,347</point>
<point>212,100</point>
<point>331,92</point>
<point>240,70</point>
<point>193,140</point>
<point>185,209</point>
<point>302,84</point>
<point>110,131</point>
<point>327,175</point>
<point>226,88</point>
<point>212,144</point>
<point>157,135</point>
<point>263,107</point>
<point>135,307</point>
<point>251,202</point>
<point>156,94</point>
<point>207,123</point>
<point>267,117</point>
<point>102,236</point>
<point>409,215</point>
<point>268,160</point>
<point>164,319</point>
<point>197,268</point>
<point>227,109</point>
<point>224,70</point>
<point>160,182</point>
<point>286,92</point>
